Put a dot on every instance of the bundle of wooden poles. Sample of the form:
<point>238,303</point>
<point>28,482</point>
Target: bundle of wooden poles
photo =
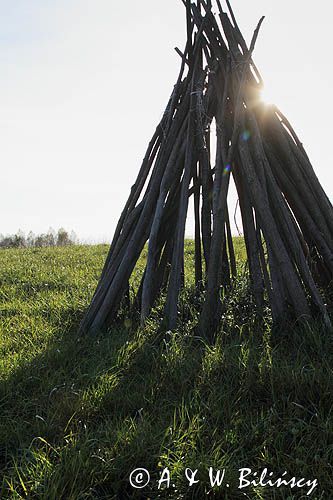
<point>287,218</point>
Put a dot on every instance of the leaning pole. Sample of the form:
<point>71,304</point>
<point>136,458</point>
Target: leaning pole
<point>287,218</point>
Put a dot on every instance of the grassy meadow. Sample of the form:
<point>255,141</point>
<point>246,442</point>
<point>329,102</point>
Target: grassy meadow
<point>77,416</point>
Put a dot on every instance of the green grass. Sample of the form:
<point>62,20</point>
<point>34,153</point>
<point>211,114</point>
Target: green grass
<point>76,417</point>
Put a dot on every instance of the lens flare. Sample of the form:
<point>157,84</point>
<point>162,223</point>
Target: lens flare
<point>227,169</point>
<point>246,135</point>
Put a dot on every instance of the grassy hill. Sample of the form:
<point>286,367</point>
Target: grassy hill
<point>77,416</point>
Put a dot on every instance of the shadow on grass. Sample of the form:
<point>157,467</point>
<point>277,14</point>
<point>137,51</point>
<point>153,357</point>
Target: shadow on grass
<point>62,407</point>
<point>81,416</point>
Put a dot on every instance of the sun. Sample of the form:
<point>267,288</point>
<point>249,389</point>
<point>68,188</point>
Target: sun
<point>266,96</point>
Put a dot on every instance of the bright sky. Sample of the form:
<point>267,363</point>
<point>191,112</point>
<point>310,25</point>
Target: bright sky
<point>84,83</point>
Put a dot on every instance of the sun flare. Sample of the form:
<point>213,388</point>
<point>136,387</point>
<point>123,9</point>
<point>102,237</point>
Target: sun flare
<point>266,96</point>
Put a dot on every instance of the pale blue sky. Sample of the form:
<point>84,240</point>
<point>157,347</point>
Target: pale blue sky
<point>84,83</point>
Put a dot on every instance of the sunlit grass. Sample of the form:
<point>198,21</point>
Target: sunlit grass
<point>76,417</point>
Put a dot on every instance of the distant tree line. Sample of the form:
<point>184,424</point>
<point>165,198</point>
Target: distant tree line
<point>50,239</point>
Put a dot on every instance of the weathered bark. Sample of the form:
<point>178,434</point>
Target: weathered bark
<point>287,217</point>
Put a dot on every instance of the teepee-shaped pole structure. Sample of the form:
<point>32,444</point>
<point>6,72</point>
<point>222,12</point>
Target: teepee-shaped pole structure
<point>287,217</point>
